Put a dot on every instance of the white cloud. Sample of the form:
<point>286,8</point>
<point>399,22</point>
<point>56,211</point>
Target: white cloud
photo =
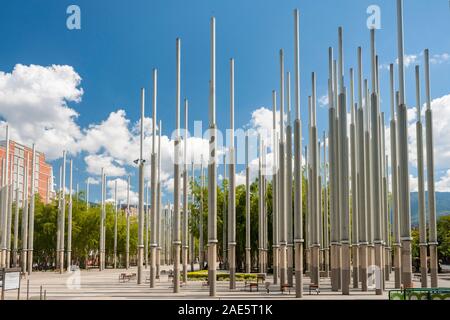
<point>323,101</point>
<point>95,163</point>
<point>413,59</point>
<point>122,189</point>
<point>33,100</point>
<point>413,183</point>
<point>440,58</point>
<point>93,181</point>
<point>443,185</point>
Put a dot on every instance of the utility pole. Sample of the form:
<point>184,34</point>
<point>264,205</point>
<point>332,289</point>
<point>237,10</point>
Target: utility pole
<point>31,217</point>
<point>404,196</point>
<point>201,240</point>
<point>282,180</point>
<point>224,215</point>
<point>232,188</point>
<point>212,192</point>
<point>289,217</point>
<point>298,215</point>
<point>16,223</point>
<point>23,258</point>
<point>375,170</point>
<point>176,219</point>
<point>141,163</point>
<point>154,187</point>
<point>127,245</point>
<point>158,205</point>
<point>69,219</point>
<point>394,191</point>
<point>185,241</point>
<point>275,212</point>
<point>102,221</point>
<point>248,249</point>
<point>63,215</point>
<point>325,245</point>
<point>430,177</point>
<point>4,205</point>
<point>354,189</point>
<point>362,198</point>
<point>115,225</point>
<point>421,182</point>
<point>314,189</point>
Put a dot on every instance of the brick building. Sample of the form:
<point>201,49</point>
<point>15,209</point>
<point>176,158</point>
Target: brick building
<point>18,155</point>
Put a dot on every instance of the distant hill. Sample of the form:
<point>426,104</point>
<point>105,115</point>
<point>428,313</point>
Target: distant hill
<point>442,206</point>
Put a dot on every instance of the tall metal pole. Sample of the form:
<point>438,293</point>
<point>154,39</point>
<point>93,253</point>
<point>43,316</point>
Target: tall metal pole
<point>376,172</point>
<point>289,217</point>
<point>275,211</point>
<point>224,215</point>
<point>325,244</point>
<point>212,192</point>
<point>232,187</point>
<point>9,217</point>
<point>146,221</point>
<point>127,245</point>
<point>102,222</point>
<point>338,216</point>
<point>158,204</point>
<point>141,212</point>
<point>4,207</point>
<point>404,200</point>
<point>115,225</point>
<point>394,183</point>
<point>31,216</point>
<point>430,177</point>
<point>63,215</point>
<point>421,184</point>
<point>24,230</point>
<point>185,241</point>
<point>361,161</point>
<point>333,163</point>
<point>16,223</point>
<point>154,191</point>
<point>69,219</point>
<point>248,249</point>
<point>314,190</point>
<point>260,208</point>
<point>191,234</point>
<point>282,180</point>
<point>201,239</point>
<point>176,195</point>
<point>354,189</point>
<point>298,216</point>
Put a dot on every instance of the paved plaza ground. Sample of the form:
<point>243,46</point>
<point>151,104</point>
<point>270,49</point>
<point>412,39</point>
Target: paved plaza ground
<point>105,285</point>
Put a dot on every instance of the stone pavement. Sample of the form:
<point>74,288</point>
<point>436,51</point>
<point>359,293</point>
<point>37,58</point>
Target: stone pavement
<point>105,285</point>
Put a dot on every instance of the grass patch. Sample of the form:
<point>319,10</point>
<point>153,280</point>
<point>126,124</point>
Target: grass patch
<point>202,275</point>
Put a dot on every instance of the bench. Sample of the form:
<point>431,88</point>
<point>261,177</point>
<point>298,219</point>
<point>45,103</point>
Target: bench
<point>261,276</point>
<point>251,285</point>
<point>314,287</point>
<point>285,287</point>
<point>127,277</point>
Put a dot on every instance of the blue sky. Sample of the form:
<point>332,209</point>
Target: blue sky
<point>121,41</point>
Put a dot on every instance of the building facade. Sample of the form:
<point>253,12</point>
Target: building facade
<point>19,155</point>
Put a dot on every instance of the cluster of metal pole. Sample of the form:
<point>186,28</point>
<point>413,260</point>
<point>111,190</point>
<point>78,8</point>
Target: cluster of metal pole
<point>353,223</point>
